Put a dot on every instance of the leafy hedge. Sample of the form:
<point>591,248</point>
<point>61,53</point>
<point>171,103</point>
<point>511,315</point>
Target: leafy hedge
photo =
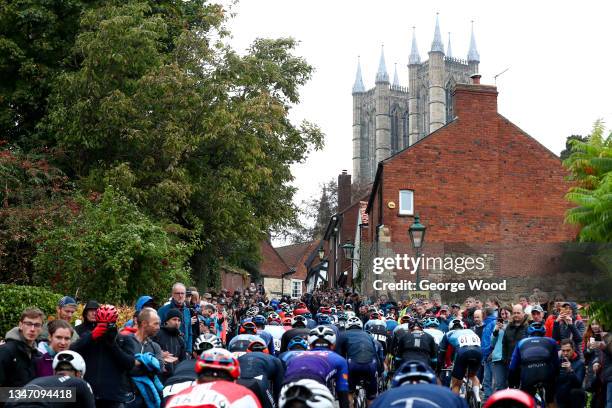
<point>15,298</point>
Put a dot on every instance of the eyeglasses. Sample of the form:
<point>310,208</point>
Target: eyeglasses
<point>35,325</point>
<point>179,293</point>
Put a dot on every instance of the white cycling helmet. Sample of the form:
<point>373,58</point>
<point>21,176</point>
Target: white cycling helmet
<point>349,313</point>
<point>207,341</point>
<point>71,357</point>
<point>322,333</point>
<point>354,322</point>
<point>309,392</point>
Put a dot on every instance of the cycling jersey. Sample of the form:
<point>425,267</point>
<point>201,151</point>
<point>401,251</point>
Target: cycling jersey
<point>391,325</point>
<point>215,394</point>
<point>184,376</point>
<point>363,358</point>
<point>285,356</point>
<point>267,337</point>
<point>468,354</point>
<point>264,368</point>
<point>238,345</point>
<point>83,393</point>
<point>435,333</point>
<point>277,334</point>
<point>319,365</point>
<point>535,360</point>
<point>415,345</point>
<point>419,396</point>
<point>378,331</point>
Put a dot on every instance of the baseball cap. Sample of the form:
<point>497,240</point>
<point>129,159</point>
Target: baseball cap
<point>444,307</point>
<point>537,308</point>
<point>456,305</point>
<point>66,301</point>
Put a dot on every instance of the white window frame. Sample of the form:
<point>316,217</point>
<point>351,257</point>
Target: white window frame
<point>293,287</point>
<point>402,209</point>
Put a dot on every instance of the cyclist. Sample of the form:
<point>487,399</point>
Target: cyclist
<point>467,353</point>
<point>260,323</point>
<point>378,330</point>
<point>431,326</point>
<point>258,369</point>
<point>535,361</point>
<point>391,323</point>
<point>510,398</point>
<point>415,386</point>
<point>184,375</point>
<point>299,329</point>
<point>296,346</point>
<point>305,394</point>
<point>320,364</point>
<point>68,368</point>
<point>217,370</point>
<point>415,345</point>
<point>361,353</point>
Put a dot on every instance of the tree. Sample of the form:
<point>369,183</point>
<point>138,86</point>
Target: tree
<point>193,133</point>
<point>590,165</point>
<point>565,153</point>
<point>110,251</point>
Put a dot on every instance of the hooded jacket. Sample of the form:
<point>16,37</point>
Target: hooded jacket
<point>87,325</point>
<point>487,331</point>
<point>17,360</point>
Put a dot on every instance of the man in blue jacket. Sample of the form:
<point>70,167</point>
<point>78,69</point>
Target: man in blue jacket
<point>179,294</point>
<point>485,344</point>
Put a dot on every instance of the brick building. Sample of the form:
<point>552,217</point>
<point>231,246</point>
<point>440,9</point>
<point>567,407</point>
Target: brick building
<point>481,185</point>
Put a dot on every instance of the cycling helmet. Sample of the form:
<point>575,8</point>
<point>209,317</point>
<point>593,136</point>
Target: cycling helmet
<point>342,317</point>
<point>322,333</point>
<point>510,398</point>
<point>308,315</point>
<point>309,392</point>
<point>300,311</point>
<point>296,342</point>
<point>259,320</point>
<point>536,329</point>
<point>273,316</point>
<point>349,313</point>
<point>348,307</point>
<point>69,357</point>
<point>374,316</point>
<point>252,312</point>
<point>390,316</point>
<point>323,319</point>
<point>325,310</point>
<point>206,342</point>
<point>413,323</point>
<point>217,360</point>
<point>299,321</point>
<point>248,328</point>
<point>405,319</point>
<point>430,322</point>
<point>455,324</point>
<point>107,314</point>
<point>413,372</point>
<point>354,322</point>
<point>287,321</point>
<point>257,346</point>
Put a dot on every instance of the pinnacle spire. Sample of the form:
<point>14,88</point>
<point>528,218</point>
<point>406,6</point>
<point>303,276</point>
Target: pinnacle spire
<point>358,85</point>
<point>395,78</point>
<point>449,52</point>
<point>382,75</point>
<point>473,52</point>
<point>414,57</point>
<point>436,45</point>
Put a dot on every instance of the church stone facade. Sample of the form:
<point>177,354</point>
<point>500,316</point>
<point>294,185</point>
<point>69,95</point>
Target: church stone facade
<point>389,117</point>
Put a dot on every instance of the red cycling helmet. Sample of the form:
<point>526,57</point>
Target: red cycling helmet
<point>287,321</point>
<point>248,328</point>
<point>299,312</point>
<point>325,310</point>
<point>106,314</point>
<point>218,359</point>
<point>510,398</point>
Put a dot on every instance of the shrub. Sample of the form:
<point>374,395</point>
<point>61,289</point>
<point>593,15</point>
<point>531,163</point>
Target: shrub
<point>15,298</point>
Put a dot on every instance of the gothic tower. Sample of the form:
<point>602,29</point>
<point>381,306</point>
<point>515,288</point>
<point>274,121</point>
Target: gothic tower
<point>391,117</point>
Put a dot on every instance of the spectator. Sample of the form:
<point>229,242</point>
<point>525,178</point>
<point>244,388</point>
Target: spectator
<point>570,393</point>
<point>89,318</point>
<point>537,314</point>
<point>485,341</point>
<point>602,367</point>
<point>60,333</point>
<point>499,367</point>
<point>516,330</point>
<point>478,323</point>
<point>171,342</point>
<point>455,310</point>
<point>17,355</point>
<point>179,293</point>
<point>108,360</point>
<point>443,318</point>
<point>567,326</point>
<point>66,307</point>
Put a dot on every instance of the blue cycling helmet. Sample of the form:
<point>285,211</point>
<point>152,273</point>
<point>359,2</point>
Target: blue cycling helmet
<point>413,372</point>
<point>296,342</point>
<point>259,320</point>
<point>536,329</point>
<point>430,322</point>
<point>307,315</point>
<point>323,319</point>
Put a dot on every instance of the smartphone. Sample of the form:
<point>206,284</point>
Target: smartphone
<point>500,320</point>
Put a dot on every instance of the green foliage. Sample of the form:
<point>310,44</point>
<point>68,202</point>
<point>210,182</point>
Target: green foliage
<point>565,153</point>
<point>590,165</point>
<point>110,251</point>
<point>15,298</point>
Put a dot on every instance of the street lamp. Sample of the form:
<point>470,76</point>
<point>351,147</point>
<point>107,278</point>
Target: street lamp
<point>417,237</point>
<point>349,250</point>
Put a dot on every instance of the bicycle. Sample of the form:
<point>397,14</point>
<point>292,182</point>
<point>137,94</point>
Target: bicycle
<point>468,394</point>
<point>360,395</point>
<point>540,395</point>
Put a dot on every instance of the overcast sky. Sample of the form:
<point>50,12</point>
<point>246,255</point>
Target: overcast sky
<point>558,53</point>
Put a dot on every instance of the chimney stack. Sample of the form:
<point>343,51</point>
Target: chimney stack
<point>344,190</point>
<point>476,79</point>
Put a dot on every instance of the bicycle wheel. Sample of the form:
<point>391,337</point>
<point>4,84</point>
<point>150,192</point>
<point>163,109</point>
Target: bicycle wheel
<point>360,400</point>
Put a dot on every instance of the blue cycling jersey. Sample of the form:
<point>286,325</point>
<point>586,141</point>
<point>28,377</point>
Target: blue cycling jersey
<point>537,359</point>
<point>419,396</point>
<point>320,365</point>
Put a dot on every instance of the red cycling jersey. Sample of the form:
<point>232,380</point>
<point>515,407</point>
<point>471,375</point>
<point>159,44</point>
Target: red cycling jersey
<point>213,395</point>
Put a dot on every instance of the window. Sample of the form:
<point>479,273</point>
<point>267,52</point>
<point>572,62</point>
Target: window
<point>406,202</point>
<point>296,288</point>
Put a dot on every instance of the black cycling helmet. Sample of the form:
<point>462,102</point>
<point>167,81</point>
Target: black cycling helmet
<point>413,372</point>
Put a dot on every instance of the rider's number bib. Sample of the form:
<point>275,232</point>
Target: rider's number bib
<point>466,340</point>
